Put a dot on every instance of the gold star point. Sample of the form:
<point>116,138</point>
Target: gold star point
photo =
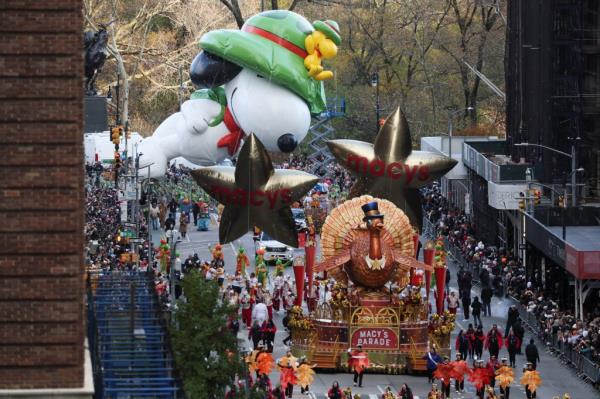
<point>389,168</point>
<point>255,194</point>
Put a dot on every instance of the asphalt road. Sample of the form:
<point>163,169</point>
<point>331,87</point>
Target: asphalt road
<point>556,377</point>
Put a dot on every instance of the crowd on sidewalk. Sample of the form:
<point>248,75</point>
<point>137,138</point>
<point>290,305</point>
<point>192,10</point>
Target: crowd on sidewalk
<point>499,271</point>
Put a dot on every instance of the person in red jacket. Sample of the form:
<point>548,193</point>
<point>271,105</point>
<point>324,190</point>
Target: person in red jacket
<point>492,365</point>
<point>462,344</point>
<point>471,337</point>
<point>268,331</point>
<point>493,341</point>
<point>479,339</point>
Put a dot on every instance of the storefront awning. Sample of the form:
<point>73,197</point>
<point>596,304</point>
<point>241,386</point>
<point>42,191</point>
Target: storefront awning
<point>579,253</point>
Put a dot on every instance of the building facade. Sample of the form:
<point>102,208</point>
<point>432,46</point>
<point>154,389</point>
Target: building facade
<point>553,87</point>
<point>553,100</point>
<point>42,325</point>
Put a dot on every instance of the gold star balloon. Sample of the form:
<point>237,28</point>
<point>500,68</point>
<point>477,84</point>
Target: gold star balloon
<point>389,168</point>
<point>255,194</point>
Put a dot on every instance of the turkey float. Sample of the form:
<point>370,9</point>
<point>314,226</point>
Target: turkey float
<point>370,242</point>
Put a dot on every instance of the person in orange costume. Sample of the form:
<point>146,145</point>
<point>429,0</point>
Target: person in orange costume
<point>459,369</point>
<point>359,361</point>
<point>287,367</point>
<point>443,372</point>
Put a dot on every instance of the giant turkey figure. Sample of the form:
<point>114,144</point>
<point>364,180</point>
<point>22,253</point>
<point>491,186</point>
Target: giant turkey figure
<point>364,248</point>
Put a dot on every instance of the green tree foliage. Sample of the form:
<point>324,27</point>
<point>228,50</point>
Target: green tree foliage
<point>206,352</point>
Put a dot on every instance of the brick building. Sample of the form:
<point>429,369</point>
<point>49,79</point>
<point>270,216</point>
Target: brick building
<point>42,323</point>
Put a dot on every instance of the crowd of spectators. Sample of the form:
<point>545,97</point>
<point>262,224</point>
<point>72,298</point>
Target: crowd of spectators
<point>499,269</point>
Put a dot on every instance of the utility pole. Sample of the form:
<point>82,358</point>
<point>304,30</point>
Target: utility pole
<point>375,83</point>
<point>573,169</point>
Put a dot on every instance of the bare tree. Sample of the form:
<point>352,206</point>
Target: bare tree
<point>477,24</point>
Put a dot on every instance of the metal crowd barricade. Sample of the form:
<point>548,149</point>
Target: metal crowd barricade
<point>130,340</point>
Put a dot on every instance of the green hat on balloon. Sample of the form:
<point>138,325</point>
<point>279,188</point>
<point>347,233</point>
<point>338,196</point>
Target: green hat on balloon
<point>283,47</point>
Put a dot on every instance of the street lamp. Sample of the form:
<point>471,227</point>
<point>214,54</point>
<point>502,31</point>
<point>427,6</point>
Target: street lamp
<point>572,156</point>
<point>451,114</point>
<point>375,83</point>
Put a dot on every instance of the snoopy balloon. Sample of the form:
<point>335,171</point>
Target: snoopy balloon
<point>264,79</point>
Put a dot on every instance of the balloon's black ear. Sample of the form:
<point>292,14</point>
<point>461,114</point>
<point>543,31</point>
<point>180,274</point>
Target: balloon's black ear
<point>208,70</point>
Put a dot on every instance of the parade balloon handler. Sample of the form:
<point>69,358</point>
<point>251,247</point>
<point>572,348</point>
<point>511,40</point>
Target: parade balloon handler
<point>265,78</point>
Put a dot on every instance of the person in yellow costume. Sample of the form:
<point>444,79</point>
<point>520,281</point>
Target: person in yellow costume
<point>306,375</point>
<point>531,380</point>
<point>504,377</point>
<point>262,274</point>
<point>280,266</point>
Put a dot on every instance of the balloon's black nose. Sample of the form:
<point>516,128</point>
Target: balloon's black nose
<point>287,142</point>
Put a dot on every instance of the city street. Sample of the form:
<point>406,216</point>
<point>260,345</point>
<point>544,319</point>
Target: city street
<point>557,378</point>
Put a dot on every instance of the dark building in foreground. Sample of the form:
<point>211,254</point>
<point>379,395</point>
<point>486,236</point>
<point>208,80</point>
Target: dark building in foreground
<point>553,100</point>
<point>42,325</point>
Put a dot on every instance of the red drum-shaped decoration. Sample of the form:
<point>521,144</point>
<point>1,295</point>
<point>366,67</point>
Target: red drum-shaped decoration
<point>440,285</point>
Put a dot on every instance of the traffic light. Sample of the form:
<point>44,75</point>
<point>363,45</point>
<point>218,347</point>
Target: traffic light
<point>117,160</point>
<point>522,201</point>
<point>115,134</point>
<point>537,197</point>
<point>561,201</point>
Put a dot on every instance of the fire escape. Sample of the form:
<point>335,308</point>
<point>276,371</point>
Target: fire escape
<point>567,77</point>
<point>321,131</point>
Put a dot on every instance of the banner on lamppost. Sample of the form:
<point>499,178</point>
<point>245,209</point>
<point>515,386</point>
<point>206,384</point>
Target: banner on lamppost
<point>299,276</point>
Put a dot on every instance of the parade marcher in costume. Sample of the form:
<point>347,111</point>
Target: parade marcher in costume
<point>268,301</point>
<point>220,275</point>
<point>434,393</point>
<point>358,362</point>
<point>264,363</point>
<point>268,334</point>
<point>287,378</point>
<point>306,375</point>
<point>492,365</point>
<point>246,303</point>
<point>505,377</point>
<point>288,300</point>
<point>280,266</point>
<point>260,256</point>
<point>479,377</point>
<point>479,338</point>
<point>242,262</point>
<point>530,380</point>
<point>459,369</point>
<point>493,341</point>
<point>262,273</point>
<point>278,291</point>
<point>443,372</point>
<point>388,394</point>
<point>217,255</point>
